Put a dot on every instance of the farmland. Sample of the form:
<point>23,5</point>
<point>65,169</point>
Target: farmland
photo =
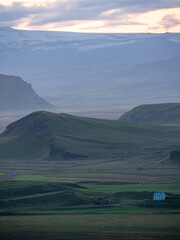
<point>59,207</point>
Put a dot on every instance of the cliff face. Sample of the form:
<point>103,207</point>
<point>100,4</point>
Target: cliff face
<point>16,94</point>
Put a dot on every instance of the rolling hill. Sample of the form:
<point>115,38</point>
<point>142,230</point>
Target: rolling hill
<point>45,135</point>
<point>16,94</point>
<point>167,113</point>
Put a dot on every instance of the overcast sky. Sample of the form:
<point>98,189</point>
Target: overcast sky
<point>92,15</point>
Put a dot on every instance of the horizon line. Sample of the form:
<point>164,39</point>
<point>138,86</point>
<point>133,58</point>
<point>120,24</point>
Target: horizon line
<point>49,30</point>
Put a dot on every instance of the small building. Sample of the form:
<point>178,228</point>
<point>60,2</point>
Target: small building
<point>159,196</point>
<point>103,201</point>
<point>143,182</point>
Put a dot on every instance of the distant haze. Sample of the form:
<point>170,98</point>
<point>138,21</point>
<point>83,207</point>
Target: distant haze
<point>80,69</point>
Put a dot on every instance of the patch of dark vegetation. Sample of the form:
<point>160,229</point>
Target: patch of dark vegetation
<point>43,196</point>
<point>84,234</point>
<point>172,201</point>
<point>73,185</point>
<point>134,195</point>
<point>14,191</point>
<point>175,156</point>
<point>89,182</point>
<point>51,201</point>
<point>56,150</point>
<point>103,201</point>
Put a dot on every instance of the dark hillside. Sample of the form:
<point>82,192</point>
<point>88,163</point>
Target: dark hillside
<point>45,135</point>
<point>165,113</point>
<point>16,94</point>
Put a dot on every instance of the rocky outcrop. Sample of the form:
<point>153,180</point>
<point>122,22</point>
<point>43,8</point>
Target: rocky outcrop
<point>16,94</point>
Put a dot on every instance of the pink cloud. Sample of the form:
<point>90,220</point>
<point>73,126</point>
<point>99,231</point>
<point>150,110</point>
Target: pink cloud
<point>169,21</point>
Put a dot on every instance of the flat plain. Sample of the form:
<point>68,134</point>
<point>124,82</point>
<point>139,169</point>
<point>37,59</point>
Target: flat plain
<point>94,199</point>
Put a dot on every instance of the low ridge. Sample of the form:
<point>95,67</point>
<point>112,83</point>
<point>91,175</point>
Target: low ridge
<point>165,113</point>
<point>52,136</point>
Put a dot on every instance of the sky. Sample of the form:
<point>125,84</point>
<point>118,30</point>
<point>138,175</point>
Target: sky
<point>103,16</point>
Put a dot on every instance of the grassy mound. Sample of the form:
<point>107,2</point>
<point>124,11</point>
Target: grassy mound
<point>166,113</point>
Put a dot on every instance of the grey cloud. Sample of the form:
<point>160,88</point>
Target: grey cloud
<point>92,10</point>
<point>80,10</point>
<point>170,21</point>
<point>17,11</point>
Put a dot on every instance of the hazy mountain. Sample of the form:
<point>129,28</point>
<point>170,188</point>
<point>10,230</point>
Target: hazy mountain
<point>45,135</point>
<point>167,113</point>
<point>94,69</point>
<point>16,94</point>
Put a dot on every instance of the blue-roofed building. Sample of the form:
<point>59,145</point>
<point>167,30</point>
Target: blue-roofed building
<point>159,196</point>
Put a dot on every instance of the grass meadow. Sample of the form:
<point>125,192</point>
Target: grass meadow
<point>59,200</point>
<point>94,226</point>
<point>35,206</point>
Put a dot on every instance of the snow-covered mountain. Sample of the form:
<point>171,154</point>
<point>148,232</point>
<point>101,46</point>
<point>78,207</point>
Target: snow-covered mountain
<point>94,69</point>
<point>36,40</point>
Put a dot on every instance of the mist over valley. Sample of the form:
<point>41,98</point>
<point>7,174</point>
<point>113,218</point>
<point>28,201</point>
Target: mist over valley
<point>79,70</point>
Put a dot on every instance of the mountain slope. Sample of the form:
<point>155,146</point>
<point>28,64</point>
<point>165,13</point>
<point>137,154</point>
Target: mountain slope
<point>167,113</point>
<point>17,94</point>
<point>45,135</point>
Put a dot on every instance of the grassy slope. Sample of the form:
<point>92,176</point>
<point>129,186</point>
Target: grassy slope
<point>166,113</point>
<point>61,136</point>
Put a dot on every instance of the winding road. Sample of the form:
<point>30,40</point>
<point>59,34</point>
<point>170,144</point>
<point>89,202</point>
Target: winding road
<point>7,175</point>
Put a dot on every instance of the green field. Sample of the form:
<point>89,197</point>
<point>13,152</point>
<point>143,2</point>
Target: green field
<point>35,206</point>
<point>123,226</point>
<point>40,178</point>
<point>170,188</point>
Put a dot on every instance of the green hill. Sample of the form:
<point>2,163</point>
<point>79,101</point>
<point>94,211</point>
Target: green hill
<point>165,113</point>
<point>45,135</point>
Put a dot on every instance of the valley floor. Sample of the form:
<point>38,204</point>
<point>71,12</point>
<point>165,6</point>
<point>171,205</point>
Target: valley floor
<point>94,226</point>
<point>88,200</point>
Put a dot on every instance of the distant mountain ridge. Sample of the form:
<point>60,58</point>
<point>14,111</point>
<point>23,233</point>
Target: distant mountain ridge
<point>166,113</point>
<point>51,136</point>
<point>39,39</point>
<point>16,94</point>
<point>101,69</point>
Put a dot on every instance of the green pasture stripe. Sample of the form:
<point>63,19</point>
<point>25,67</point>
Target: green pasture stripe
<point>170,188</point>
<point>99,210</point>
<point>41,178</point>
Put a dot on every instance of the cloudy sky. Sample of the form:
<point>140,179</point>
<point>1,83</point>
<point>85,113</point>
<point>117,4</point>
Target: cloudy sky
<point>92,15</point>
